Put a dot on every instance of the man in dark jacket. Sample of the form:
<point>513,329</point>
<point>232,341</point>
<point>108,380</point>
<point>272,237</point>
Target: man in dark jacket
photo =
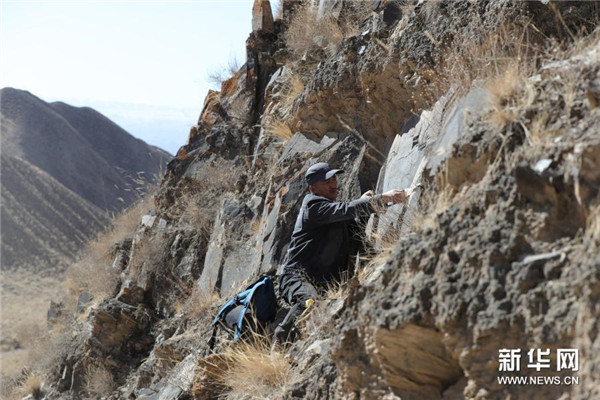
<point>321,242</point>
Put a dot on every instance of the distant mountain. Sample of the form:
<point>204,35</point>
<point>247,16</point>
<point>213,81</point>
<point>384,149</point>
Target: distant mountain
<point>63,171</point>
<point>79,147</point>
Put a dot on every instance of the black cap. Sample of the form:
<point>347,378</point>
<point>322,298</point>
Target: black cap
<point>320,172</point>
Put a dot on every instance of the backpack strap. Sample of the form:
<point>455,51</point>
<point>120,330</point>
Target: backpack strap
<point>247,301</point>
<point>213,339</point>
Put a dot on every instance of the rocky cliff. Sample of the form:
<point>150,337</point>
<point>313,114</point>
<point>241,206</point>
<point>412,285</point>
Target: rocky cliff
<point>487,111</point>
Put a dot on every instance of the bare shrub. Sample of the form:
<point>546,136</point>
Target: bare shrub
<point>255,368</point>
<point>199,211</point>
<point>51,344</point>
<point>99,380</point>
<point>219,75</point>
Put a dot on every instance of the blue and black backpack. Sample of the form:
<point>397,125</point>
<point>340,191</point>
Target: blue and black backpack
<point>249,310</point>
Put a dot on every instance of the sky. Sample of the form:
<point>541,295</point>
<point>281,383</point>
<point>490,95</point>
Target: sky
<point>143,64</point>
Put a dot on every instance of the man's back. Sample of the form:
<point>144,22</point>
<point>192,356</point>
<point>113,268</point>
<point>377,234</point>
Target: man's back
<point>320,242</point>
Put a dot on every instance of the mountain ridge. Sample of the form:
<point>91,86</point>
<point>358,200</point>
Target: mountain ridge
<point>65,170</point>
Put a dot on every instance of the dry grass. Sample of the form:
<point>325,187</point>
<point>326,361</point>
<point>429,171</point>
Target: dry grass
<point>255,369</point>
<point>28,385</point>
<point>506,62</point>
<point>382,246</point>
<point>500,61</point>
<point>93,270</point>
<point>280,110</point>
<point>25,300</point>
<point>147,254</point>
<point>292,89</point>
<point>317,318</point>
<point>199,211</point>
<point>50,345</point>
<point>43,348</point>
<point>278,129</point>
<point>310,38</point>
<point>504,89</point>
<point>98,380</point>
<point>306,32</point>
<point>200,303</point>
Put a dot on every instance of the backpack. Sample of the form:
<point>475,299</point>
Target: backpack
<point>248,310</point>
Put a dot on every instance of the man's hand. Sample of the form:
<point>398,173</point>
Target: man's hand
<point>367,194</point>
<point>394,196</point>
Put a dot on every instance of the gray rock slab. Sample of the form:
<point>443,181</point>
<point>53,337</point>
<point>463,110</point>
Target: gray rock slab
<point>179,380</point>
<point>214,258</point>
<point>237,268</point>
<point>454,125</point>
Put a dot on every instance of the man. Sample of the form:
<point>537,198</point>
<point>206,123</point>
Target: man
<point>321,242</point>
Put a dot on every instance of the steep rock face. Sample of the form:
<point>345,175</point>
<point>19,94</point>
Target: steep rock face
<point>496,247</point>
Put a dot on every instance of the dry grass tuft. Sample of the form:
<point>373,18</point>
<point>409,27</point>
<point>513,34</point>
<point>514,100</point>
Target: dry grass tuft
<point>256,368</point>
<point>504,89</point>
<point>500,60</point>
<point>33,385</point>
<point>306,32</point>
<point>278,129</point>
<point>98,380</point>
<point>317,318</point>
<point>280,110</point>
<point>382,246</point>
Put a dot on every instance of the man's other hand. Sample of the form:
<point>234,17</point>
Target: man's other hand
<point>394,196</point>
<point>367,194</point>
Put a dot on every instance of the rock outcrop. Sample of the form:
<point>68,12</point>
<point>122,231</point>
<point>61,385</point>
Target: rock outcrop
<point>495,252</point>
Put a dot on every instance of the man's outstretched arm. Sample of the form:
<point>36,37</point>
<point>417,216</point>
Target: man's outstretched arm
<point>326,212</point>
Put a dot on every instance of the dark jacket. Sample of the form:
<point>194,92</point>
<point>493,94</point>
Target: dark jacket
<point>322,236</point>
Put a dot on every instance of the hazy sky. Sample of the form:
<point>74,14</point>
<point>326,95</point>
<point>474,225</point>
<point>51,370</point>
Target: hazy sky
<point>144,64</point>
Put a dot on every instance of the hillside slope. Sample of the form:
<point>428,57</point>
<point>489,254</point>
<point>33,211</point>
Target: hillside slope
<point>43,223</point>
